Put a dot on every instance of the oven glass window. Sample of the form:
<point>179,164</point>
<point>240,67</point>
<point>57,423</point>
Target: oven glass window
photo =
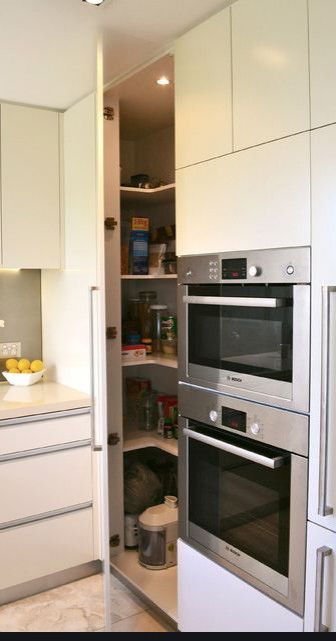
<point>252,339</point>
<point>241,503</point>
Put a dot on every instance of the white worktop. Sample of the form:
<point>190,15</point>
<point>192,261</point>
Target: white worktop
<point>42,398</point>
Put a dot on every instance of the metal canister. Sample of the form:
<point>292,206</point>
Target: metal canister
<point>157,313</point>
<point>169,327</point>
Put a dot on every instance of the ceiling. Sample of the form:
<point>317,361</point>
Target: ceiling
<point>48,47</point>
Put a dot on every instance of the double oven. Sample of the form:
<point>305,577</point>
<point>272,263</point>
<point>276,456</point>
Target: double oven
<point>244,414</point>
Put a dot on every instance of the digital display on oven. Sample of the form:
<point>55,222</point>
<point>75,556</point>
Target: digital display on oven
<point>234,269</point>
<point>234,419</point>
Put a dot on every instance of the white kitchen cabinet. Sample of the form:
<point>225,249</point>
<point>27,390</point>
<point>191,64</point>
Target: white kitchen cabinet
<point>322,44</point>
<point>203,92</point>
<point>322,474</point>
<point>320,610</point>
<point>45,547</point>
<point>30,187</point>
<point>211,599</point>
<point>254,199</point>
<point>270,70</point>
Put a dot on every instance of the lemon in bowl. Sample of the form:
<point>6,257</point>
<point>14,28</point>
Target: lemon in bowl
<point>23,373</point>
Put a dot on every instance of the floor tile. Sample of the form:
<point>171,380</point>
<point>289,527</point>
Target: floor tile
<point>144,622</point>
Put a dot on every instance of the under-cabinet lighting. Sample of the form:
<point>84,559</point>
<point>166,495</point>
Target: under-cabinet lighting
<point>94,2</point>
<point>163,81</point>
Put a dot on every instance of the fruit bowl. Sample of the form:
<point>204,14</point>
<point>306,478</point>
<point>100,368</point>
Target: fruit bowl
<point>23,380</point>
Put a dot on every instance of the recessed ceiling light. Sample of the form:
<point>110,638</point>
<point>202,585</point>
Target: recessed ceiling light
<point>163,81</point>
<point>94,2</point>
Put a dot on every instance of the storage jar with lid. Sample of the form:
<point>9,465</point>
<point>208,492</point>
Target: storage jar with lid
<point>146,300</point>
<point>157,313</point>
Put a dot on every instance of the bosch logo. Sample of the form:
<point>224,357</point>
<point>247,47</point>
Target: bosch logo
<point>236,380</point>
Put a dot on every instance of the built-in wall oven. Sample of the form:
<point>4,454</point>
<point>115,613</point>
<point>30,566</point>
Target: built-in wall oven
<point>245,324</point>
<point>243,489</point>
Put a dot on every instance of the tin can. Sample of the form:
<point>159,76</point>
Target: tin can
<point>168,328</point>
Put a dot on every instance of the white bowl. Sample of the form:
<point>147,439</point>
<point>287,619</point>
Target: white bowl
<point>23,380</point>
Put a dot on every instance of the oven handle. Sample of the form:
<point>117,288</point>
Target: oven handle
<point>272,463</point>
<point>227,301</point>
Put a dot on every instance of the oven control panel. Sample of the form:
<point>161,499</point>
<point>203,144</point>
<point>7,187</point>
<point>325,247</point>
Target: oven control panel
<point>264,266</point>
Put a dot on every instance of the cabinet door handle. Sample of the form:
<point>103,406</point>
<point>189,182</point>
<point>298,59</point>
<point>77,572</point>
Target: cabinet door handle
<point>321,555</point>
<point>323,508</point>
<point>95,446</point>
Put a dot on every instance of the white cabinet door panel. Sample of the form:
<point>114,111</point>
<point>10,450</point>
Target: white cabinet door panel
<point>323,275</point>
<point>322,44</point>
<point>270,70</point>
<point>203,91</point>
<point>45,547</point>
<point>211,599</point>
<point>255,199</point>
<point>30,187</point>
<point>45,483</point>
<point>321,543</point>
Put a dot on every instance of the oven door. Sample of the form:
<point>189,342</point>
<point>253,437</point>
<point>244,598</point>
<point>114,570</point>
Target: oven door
<point>248,340</point>
<point>244,504</point>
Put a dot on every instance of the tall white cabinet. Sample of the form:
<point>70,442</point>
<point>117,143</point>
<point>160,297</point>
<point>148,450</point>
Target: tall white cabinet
<point>30,187</point>
<point>320,613</point>
<point>270,70</point>
<point>322,20</point>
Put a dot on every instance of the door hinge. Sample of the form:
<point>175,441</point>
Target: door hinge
<point>115,541</point>
<point>113,439</point>
<point>111,333</point>
<point>108,113</point>
<point>111,224</point>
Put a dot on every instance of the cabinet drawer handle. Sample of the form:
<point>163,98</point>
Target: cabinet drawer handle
<point>321,555</point>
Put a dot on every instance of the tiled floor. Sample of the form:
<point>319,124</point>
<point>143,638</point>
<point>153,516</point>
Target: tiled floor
<point>78,607</point>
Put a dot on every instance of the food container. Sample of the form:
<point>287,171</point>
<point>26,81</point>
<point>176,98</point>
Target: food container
<point>148,343</point>
<point>157,312</point>
<point>136,389</point>
<point>146,300</point>
<point>169,346</point>
<point>169,327</point>
<point>133,339</point>
<point>23,380</point>
<point>133,353</point>
<point>170,266</point>
<point>156,259</point>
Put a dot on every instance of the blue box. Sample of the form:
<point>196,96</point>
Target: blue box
<point>139,241</point>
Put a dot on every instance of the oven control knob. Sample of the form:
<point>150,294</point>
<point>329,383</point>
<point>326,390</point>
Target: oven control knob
<point>254,271</point>
<point>255,428</point>
<point>213,416</point>
<point>290,270</point>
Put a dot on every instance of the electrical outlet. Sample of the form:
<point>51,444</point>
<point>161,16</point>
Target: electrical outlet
<point>10,350</point>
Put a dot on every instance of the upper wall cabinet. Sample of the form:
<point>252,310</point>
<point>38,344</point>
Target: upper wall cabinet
<point>270,70</point>
<point>322,21</point>
<point>203,92</point>
<point>258,198</point>
<point>30,187</point>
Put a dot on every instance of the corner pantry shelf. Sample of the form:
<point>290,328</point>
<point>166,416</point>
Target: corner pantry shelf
<point>140,440</point>
<point>158,196</point>
<point>150,277</point>
<point>163,361</point>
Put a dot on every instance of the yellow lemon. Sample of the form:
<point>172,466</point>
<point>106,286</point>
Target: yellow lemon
<point>37,366</point>
<point>23,364</point>
<point>11,363</point>
<point>27,371</point>
<point>14,370</point>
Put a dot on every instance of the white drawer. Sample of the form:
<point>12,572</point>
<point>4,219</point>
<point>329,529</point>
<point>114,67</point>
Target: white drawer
<point>45,483</point>
<point>43,432</point>
<point>39,549</point>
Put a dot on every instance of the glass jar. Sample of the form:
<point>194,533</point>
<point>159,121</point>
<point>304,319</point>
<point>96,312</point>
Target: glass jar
<point>157,313</point>
<point>148,411</point>
<point>146,300</point>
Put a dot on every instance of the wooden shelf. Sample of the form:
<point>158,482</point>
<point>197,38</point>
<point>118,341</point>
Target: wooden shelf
<point>140,440</point>
<point>158,586</point>
<point>159,196</point>
<point>162,361</point>
<point>150,277</point>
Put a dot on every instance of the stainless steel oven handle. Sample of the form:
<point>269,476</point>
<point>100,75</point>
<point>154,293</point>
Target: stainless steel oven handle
<point>323,508</point>
<point>227,301</point>
<point>321,555</point>
<point>272,463</point>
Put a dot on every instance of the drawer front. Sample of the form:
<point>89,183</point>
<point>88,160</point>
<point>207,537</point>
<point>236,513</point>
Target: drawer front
<point>44,433</point>
<point>45,483</point>
<point>39,549</point>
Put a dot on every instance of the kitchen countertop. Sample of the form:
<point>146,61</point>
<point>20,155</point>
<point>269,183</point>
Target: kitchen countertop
<point>42,398</point>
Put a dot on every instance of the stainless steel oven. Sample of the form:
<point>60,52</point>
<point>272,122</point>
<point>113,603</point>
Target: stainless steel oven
<point>243,489</point>
<point>245,324</point>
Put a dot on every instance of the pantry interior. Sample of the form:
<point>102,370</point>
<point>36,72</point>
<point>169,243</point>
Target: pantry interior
<point>141,387</point>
